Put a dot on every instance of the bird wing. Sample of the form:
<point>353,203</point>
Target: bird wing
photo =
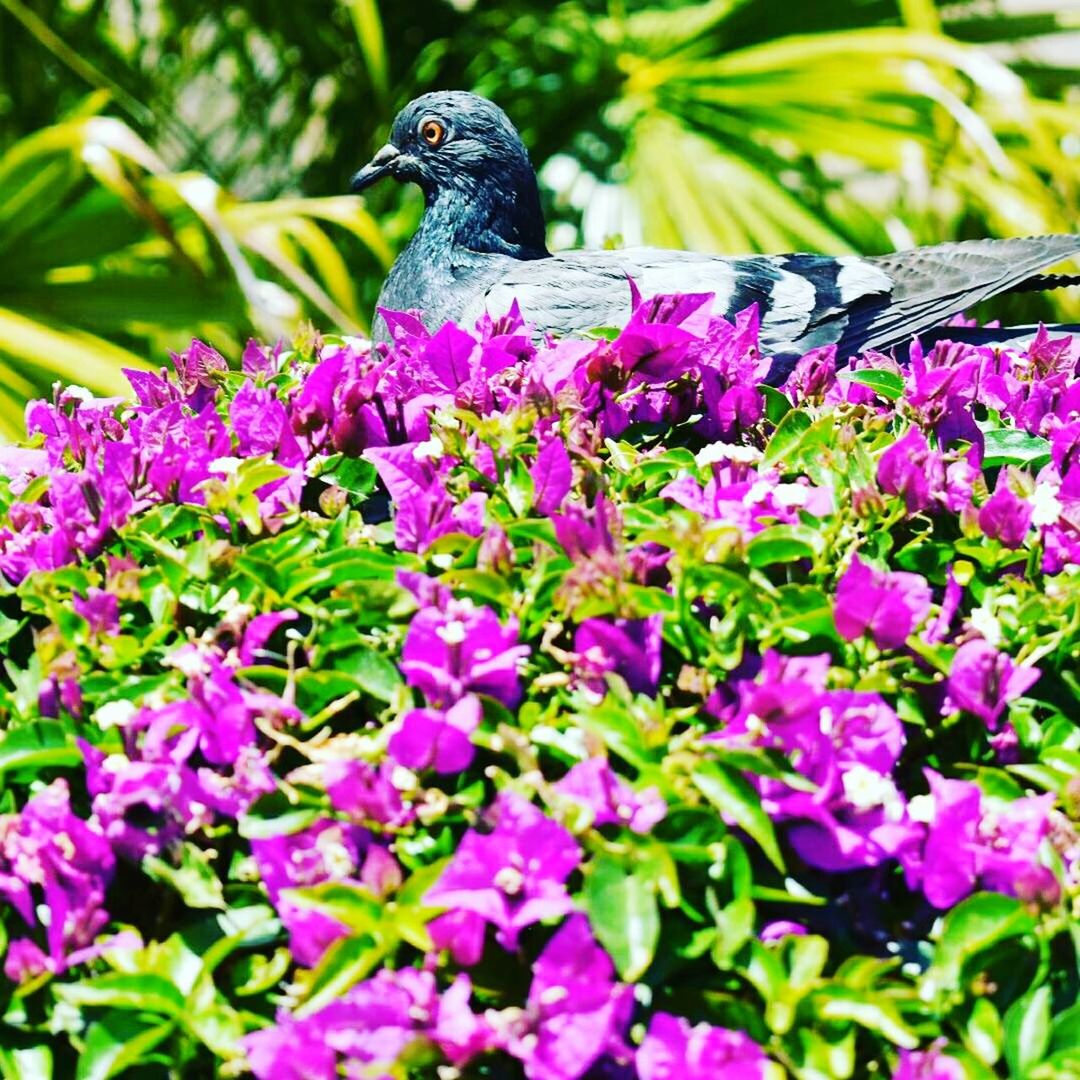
<point>930,284</point>
<point>804,301</point>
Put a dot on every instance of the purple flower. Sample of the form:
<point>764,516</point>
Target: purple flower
<point>370,1029</point>
<point>260,360</point>
<point>326,851</point>
<point>931,1064</point>
<point>21,466</point>
<point>290,1051</point>
<point>941,387</point>
<point>258,632</point>
<point>982,681</point>
<point>313,407</point>
<point>143,807</point>
<point>673,1050</point>
<point>584,532</point>
<point>433,739</point>
<point>1005,516</point>
<point>513,875</point>
<point>611,801</point>
<point>847,743</point>
<point>52,860</point>
<point>199,368</point>
<point>100,609</point>
<point>365,793</point>
<point>909,468</point>
<point>462,933</point>
<point>575,1012</point>
<point>262,425</point>
<point>461,648</point>
<point>780,929</point>
<point>888,605</point>
<point>424,510</point>
<point>971,840</point>
<point>551,475</point>
<point>950,603</point>
<point>186,762</point>
<point>627,647</point>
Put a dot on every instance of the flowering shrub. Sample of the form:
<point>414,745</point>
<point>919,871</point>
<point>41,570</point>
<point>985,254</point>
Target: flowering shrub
<point>479,708</point>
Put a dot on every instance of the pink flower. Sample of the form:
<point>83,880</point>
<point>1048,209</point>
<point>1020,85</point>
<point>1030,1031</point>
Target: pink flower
<point>909,468</point>
<point>983,681</point>
<point>1005,516</point>
<point>888,605</point>
<point>673,1050</point>
<point>433,739</point>
<point>975,842</point>
<point>462,648</point>
<point>594,785</point>
<point>54,870</point>
<point>512,875</point>
<point>575,1012</point>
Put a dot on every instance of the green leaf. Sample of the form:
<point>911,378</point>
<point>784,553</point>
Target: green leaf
<point>356,475</point>
<point>888,384</point>
<point>735,927</point>
<point>122,991</point>
<point>788,435</point>
<point>343,965</point>
<point>194,878</point>
<point>777,403</point>
<point>255,973</point>
<point>732,794</point>
<point>783,543</point>
<point>116,1042</point>
<point>275,815</point>
<point>983,1032</point>
<point>373,672</point>
<point>623,913</point>
<point>351,905</point>
<point>19,1063</point>
<point>1027,1031</point>
<point>1066,1030</point>
<point>871,1011</point>
<point>973,926</point>
<point>41,744</point>
<point>1008,446</point>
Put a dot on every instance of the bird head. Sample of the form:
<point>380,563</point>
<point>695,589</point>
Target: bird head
<point>462,149</point>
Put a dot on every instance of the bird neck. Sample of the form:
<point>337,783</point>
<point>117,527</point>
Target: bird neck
<point>496,217</point>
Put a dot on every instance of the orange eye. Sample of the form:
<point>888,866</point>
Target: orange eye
<point>432,132</point>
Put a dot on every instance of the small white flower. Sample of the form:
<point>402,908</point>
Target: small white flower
<point>1046,504</point>
<point>791,494</point>
<point>453,633</point>
<point>77,393</point>
<point>866,789</point>
<point>509,880</point>
<point>921,808</point>
<point>758,492</point>
<point>115,714</point>
<point>985,621</point>
<point>721,451</point>
<point>403,779</point>
<point>432,448</point>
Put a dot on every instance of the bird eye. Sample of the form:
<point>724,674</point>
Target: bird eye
<point>432,132</point>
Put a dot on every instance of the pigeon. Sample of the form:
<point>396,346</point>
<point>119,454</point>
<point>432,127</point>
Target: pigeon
<point>480,246</point>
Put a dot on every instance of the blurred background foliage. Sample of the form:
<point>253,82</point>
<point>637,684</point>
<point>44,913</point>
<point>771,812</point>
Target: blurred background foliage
<point>176,167</point>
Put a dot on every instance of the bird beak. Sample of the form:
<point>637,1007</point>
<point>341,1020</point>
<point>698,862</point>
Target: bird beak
<point>381,164</point>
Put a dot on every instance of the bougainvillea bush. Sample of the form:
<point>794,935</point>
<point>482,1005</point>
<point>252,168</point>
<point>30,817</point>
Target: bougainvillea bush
<point>481,707</point>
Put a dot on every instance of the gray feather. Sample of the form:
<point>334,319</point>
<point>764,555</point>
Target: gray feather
<point>480,247</point>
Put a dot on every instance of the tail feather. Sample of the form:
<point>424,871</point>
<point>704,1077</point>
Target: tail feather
<point>1044,282</point>
<point>931,284</point>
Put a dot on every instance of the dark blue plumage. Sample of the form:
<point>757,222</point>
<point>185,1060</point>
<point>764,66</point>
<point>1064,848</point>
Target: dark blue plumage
<point>480,245</point>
